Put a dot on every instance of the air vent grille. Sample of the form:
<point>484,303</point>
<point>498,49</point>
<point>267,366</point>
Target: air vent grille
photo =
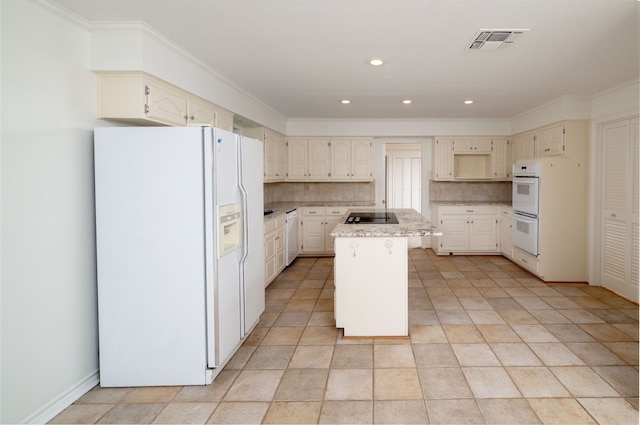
<point>493,39</point>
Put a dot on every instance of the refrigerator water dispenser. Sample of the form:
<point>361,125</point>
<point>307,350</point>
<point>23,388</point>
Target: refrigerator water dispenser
<point>230,228</point>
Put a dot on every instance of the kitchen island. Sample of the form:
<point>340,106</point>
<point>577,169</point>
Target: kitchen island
<point>371,274</point>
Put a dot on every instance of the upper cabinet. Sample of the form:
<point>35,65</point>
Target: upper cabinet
<point>471,158</point>
<point>541,142</point>
<point>351,159</point>
<point>142,99</point>
<point>321,159</point>
<point>275,152</point>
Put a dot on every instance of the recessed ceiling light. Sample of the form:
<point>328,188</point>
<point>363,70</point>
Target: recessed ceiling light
<point>468,102</point>
<point>345,101</point>
<point>406,101</point>
<point>376,62</point>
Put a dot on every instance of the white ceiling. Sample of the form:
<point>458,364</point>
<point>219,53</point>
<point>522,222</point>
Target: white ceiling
<point>301,57</point>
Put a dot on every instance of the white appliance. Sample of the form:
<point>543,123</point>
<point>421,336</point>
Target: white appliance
<point>291,236</point>
<point>180,256</point>
<point>526,206</point>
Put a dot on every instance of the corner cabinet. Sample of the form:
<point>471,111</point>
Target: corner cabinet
<point>139,98</point>
<point>471,158</point>
<point>466,229</point>
<point>274,247</point>
<point>275,152</point>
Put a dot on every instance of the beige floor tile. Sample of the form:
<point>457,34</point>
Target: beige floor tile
<point>400,412</point>
<point>239,413</point>
<point>132,413</point>
<point>534,333</point>
<point>185,413</point>
<point>396,384</point>
<point>302,385</point>
<point>560,411</point>
<point>444,383</point>
<point>322,318</point>
<point>623,378</point>
<point>104,395</point>
<point>532,303</point>
<point>595,354</point>
<point>555,354</point>
<point>319,336</point>
<point>604,332</point>
<point>517,317</point>
<point>454,412</point>
<point>515,354</point>
<point>453,317</point>
<point>549,317</point>
<point>241,357</point>
<point>312,357</point>
<point>292,318</point>
<point>352,356</point>
<point>398,356</point>
<point>493,292</point>
<point>464,292</point>
<point>462,333</point>
<point>283,336</point>
<point>208,393</point>
<point>300,305</point>
<point>151,395</point>
<point>256,336</point>
<point>610,410</point>
<point>570,333</point>
<point>507,411</point>
<point>498,333</point>
<point>422,317</point>
<point>271,357</point>
<point>449,302</point>
<point>630,329</point>
<point>82,414</point>
<point>349,384</point>
<point>435,355</point>
<point>279,294</point>
<point>313,283</point>
<point>583,382</point>
<point>485,317</point>
<point>346,412</point>
<point>293,412</point>
<point>427,334</point>
<point>561,302</point>
<point>474,303</point>
<point>627,351</point>
<point>580,316</point>
<point>254,385</point>
<point>306,293</point>
<point>475,355</point>
<point>490,382</point>
<point>537,382</point>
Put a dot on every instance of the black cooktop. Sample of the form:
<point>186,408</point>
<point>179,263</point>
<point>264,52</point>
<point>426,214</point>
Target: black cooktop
<point>372,218</point>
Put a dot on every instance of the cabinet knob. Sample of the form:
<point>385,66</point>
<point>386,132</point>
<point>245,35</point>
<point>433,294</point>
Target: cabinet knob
<point>191,117</point>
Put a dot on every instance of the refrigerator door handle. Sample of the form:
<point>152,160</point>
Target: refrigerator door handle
<point>245,236</point>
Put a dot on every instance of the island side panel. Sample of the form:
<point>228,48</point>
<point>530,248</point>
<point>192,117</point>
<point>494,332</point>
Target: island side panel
<point>371,280</point>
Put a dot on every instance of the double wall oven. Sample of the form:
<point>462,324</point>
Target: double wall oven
<point>526,206</point>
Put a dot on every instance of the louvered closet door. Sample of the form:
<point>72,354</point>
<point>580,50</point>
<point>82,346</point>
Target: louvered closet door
<point>620,207</point>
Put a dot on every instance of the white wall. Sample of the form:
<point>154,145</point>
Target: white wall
<point>48,272</point>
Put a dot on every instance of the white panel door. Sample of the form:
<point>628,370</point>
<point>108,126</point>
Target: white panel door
<point>619,267</point>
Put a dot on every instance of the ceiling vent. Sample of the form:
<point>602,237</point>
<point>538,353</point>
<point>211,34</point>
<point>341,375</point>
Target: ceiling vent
<point>487,39</point>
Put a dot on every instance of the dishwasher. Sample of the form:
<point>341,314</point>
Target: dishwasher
<point>291,246</point>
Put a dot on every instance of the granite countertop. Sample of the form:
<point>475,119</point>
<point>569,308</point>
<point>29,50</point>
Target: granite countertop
<point>411,223</point>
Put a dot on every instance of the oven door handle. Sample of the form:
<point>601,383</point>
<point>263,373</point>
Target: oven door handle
<point>525,180</point>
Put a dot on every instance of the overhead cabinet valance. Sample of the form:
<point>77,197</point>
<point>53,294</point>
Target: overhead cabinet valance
<point>139,98</point>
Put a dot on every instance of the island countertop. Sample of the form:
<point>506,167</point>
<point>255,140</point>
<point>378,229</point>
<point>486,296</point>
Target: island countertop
<point>411,223</point>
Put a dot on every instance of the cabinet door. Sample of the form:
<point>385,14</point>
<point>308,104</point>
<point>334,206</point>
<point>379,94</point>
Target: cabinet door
<point>361,160</point>
<point>443,159</point>
<point>483,232</point>
<point>463,145</point>
<point>340,159</point>
<point>280,250</point>
<point>550,141</point>
<point>499,159</point>
<point>165,104</point>
<point>506,246</point>
<point>318,159</point>
<point>330,224</point>
<point>280,157</point>
<point>455,233</point>
<point>224,119</point>
<point>297,159</point>
<point>482,145</point>
<point>269,158</point>
<point>313,235</point>
<point>270,257</point>
<point>200,113</point>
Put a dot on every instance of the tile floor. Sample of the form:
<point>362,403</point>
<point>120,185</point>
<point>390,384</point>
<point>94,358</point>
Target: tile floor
<point>489,343</point>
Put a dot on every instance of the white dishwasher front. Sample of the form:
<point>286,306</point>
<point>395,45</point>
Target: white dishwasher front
<point>291,245</point>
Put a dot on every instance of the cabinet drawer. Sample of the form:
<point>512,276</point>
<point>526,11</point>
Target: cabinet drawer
<point>526,260</point>
<point>317,211</point>
<point>467,209</point>
<point>339,211</point>
<point>274,223</point>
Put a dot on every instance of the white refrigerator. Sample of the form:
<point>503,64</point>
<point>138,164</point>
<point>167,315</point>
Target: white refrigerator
<point>180,251</point>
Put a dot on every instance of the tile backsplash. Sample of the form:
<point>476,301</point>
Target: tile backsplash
<point>320,192</point>
<point>470,191</point>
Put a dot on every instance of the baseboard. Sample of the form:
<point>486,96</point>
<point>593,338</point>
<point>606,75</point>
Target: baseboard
<point>64,400</point>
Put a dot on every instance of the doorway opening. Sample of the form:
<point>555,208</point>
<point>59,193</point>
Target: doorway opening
<point>403,175</point>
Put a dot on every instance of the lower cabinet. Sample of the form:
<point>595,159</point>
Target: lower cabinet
<point>274,247</point>
<point>466,229</point>
<point>316,225</point>
<point>506,223</point>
